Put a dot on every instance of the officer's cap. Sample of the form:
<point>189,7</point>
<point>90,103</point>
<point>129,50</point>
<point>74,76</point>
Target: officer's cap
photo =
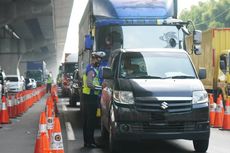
<point>100,54</point>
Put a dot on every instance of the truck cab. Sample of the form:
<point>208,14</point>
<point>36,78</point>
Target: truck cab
<point>154,94</point>
<point>110,24</point>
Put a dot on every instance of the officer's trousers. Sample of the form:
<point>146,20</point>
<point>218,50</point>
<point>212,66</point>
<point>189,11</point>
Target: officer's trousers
<point>90,104</point>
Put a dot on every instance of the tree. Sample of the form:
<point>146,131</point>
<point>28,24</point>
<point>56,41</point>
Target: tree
<point>210,14</point>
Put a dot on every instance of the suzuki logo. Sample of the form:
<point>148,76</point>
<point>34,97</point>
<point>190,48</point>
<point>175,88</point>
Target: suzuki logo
<point>164,105</point>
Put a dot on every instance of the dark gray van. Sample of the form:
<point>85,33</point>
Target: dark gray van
<point>154,94</point>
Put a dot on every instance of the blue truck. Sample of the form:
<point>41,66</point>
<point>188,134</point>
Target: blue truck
<point>129,27</point>
<point>36,70</point>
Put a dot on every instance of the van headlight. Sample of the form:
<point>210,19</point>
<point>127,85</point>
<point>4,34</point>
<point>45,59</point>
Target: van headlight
<point>199,97</point>
<point>123,97</point>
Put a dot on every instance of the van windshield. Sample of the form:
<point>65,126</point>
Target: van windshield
<point>156,65</point>
<point>12,79</point>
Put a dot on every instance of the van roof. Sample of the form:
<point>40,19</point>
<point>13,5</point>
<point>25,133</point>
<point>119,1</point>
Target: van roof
<point>153,50</point>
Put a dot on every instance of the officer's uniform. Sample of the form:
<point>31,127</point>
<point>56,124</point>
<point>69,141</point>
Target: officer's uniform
<point>91,91</point>
<point>49,83</point>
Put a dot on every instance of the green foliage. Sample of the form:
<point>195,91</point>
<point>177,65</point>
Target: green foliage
<point>210,14</point>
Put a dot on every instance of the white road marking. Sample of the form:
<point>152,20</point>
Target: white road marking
<point>69,131</point>
<point>64,108</point>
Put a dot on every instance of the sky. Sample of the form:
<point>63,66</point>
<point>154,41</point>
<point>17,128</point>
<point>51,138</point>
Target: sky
<point>71,45</point>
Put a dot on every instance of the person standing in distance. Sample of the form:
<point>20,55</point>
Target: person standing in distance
<point>49,83</point>
<point>91,90</point>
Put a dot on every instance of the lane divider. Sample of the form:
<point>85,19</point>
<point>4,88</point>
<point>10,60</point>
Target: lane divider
<point>14,105</point>
<point>54,141</point>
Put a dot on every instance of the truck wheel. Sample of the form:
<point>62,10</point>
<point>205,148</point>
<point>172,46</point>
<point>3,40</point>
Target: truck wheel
<point>72,102</point>
<point>201,145</point>
<point>112,142</point>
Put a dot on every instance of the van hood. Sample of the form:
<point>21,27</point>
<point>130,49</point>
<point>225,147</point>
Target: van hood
<point>160,87</point>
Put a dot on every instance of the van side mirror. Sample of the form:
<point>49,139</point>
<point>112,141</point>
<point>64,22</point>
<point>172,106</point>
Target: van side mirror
<point>107,73</point>
<point>88,42</point>
<point>202,73</point>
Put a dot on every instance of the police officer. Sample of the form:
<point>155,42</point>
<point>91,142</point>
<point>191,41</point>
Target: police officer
<point>49,83</point>
<point>91,90</point>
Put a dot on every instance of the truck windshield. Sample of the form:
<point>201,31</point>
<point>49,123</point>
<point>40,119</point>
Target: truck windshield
<point>156,65</point>
<point>37,75</point>
<point>138,36</point>
<point>152,37</point>
<point>70,67</point>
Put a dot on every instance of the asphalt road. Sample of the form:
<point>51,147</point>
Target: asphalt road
<point>219,140</point>
<point>20,135</point>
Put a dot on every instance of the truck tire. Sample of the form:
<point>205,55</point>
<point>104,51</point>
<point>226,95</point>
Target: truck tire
<point>72,101</point>
<point>201,145</point>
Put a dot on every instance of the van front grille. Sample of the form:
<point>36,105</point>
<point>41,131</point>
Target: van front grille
<point>170,106</point>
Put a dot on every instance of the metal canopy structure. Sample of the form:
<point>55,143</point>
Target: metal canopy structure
<point>40,26</point>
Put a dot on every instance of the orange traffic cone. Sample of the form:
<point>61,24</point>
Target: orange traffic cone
<point>212,107</point>
<point>54,96</point>
<point>56,138</point>
<point>4,113</point>
<point>226,122</point>
<point>219,113</point>
<point>50,119</point>
<point>10,106</point>
<point>42,144</point>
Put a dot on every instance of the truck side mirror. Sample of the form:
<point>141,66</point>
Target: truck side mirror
<point>88,42</point>
<point>107,73</point>
<point>197,39</point>
<point>202,73</point>
<point>222,65</point>
<point>197,49</point>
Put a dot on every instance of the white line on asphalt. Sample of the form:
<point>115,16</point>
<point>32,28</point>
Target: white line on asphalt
<point>69,130</point>
<point>64,108</point>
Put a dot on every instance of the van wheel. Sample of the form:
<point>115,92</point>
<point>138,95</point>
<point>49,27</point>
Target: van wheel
<point>201,145</point>
<point>112,142</point>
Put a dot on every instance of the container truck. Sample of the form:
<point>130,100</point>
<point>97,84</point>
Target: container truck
<point>131,24</point>
<point>113,26</point>
<point>147,25</point>
<point>34,69</point>
<point>215,58</point>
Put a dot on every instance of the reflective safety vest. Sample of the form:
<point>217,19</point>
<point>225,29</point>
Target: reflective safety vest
<point>86,89</point>
<point>49,80</point>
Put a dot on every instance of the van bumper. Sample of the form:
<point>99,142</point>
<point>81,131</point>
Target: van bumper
<point>129,124</point>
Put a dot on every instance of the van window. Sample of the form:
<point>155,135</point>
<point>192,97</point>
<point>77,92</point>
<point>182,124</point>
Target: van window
<point>156,65</point>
